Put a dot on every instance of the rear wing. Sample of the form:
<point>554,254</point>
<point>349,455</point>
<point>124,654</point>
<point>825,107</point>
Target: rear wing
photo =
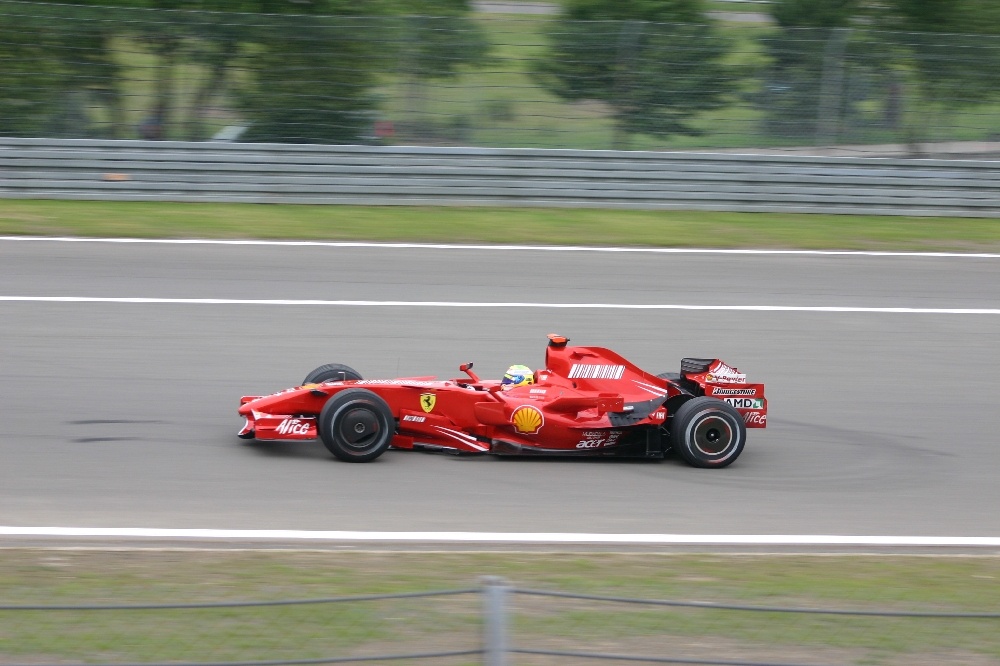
<point>725,382</point>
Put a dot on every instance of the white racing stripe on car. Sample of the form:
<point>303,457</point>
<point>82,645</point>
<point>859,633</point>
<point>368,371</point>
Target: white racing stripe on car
<point>507,537</point>
<point>461,304</point>
<point>650,388</point>
<point>462,437</point>
<point>536,248</point>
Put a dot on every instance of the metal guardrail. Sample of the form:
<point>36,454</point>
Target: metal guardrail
<point>394,175</point>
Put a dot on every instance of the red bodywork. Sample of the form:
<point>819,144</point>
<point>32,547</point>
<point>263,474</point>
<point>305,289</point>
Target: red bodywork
<point>586,400</point>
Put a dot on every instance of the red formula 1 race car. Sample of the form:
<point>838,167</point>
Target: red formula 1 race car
<point>585,401</point>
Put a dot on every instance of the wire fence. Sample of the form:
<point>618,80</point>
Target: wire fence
<point>494,624</point>
<point>478,79</point>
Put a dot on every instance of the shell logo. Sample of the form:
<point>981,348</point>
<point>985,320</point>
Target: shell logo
<point>527,420</point>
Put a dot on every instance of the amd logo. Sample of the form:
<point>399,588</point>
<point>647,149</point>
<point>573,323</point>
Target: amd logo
<point>745,403</point>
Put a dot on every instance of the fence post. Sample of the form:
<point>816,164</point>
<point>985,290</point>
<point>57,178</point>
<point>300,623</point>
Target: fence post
<point>831,89</point>
<point>625,84</point>
<point>494,621</point>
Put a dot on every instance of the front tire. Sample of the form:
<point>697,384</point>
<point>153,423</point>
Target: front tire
<point>356,425</point>
<point>708,433</point>
<point>331,372</point>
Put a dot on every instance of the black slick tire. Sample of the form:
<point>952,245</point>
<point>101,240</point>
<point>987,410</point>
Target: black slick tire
<point>356,425</point>
<point>707,432</point>
<point>331,372</point>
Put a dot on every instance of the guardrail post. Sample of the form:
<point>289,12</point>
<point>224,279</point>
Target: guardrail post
<point>495,591</point>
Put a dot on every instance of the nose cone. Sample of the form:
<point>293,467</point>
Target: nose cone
<point>245,402</point>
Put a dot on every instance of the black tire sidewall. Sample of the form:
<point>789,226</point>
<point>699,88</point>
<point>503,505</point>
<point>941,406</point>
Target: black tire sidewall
<point>331,372</point>
<point>338,406</point>
<point>686,420</point>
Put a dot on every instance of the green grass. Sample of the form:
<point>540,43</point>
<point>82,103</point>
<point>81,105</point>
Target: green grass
<point>47,577</point>
<point>497,225</point>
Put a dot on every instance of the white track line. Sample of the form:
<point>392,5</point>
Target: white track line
<point>462,304</point>
<point>538,248</point>
<point>503,537</point>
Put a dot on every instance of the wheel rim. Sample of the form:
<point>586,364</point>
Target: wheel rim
<point>713,435</point>
<point>359,428</point>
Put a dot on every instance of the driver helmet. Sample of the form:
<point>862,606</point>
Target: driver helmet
<point>517,375</point>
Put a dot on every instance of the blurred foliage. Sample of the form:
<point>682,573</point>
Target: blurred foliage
<point>654,11</point>
<point>959,70</point>
<point>952,16</point>
<point>648,74</point>
<point>813,13</point>
<point>656,63</point>
<point>51,59</point>
<point>827,64</point>
<point>308,68</point>
<point>820,81</point>
<point>965,68</point>
<point>312,82</point>
<point>437,38</point>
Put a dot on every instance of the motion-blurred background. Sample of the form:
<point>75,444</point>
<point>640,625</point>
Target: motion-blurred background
<point>594,74</point>
<point>121,361</point>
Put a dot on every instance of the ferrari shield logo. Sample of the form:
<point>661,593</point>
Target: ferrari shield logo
<point>427,401</point>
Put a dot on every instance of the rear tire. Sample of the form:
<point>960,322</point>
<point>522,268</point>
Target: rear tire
<point>331,372</point>
<point>356,425</point>
<point>708,433</point>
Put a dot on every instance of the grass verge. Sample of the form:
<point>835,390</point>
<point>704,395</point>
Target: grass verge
<point>69,577</point>
<point>497,225</point>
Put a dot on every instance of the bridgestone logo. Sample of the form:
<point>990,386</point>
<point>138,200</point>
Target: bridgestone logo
<point>590,371</point>
<point>731,391</point>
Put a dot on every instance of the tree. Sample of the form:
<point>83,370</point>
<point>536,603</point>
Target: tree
<point>300,71</point>
<point>311,83</point>
<point>823,66</point>
<point>316,73</point>
<point>656,63</point>
<point>439,38</point>
<point>57,61</point>
<point>954,45</point>
<point>979,17</point>
<point>814,13</point>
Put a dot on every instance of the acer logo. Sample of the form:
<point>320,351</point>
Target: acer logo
<point>293,427</point>
<point>415,419</point>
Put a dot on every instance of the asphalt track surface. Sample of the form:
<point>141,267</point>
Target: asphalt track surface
<point>122,414</point>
